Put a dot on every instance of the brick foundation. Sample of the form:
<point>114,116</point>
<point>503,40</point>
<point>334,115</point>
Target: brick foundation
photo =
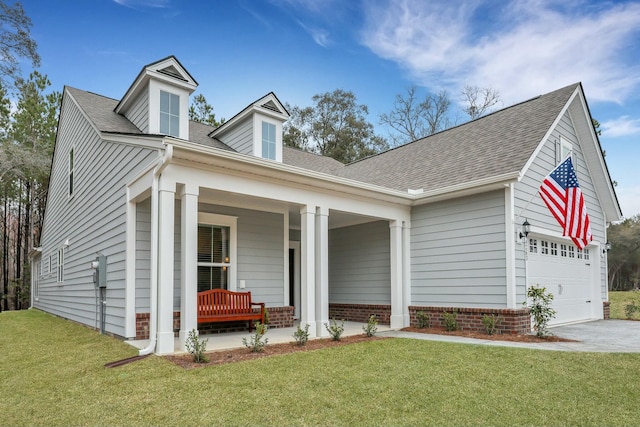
<point>514,321</point>
<point>279,317</point>
<point>360,312</point>
<point>606,310</point>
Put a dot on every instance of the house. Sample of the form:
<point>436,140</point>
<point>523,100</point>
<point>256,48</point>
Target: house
<point>163,208</point>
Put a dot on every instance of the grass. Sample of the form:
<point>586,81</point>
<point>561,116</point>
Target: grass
<point>52,374</point>
<point>619,301</point>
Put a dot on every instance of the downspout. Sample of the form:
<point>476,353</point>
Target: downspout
<point>153,291</point>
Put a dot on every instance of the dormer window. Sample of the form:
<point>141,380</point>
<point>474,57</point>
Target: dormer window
<point>268,141</point>
<point>169,114</point>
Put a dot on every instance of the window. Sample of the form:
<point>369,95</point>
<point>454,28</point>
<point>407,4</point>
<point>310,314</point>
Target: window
<point>71,172</point>
<point>60,265</point>
<point>563,250</point>
<point>268,141</point>
<point>554,249</point>
<point>214,258</point>
<point>572,251</point>
<point>169,114</point>
<point>586,254</point>
<point>533,246</point>
<point>544,247</point>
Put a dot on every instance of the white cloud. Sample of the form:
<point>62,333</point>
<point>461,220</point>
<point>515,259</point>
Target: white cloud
<point>622,126</point>
<point>134,4</point>
<point>522,48</point>
<point>319,35</point>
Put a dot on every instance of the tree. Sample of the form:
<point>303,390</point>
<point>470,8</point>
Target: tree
<point>202,112</point>
<point>413,119</point>
<point>15,42</point>
<point>624,256</point>
<point>477,101</point>
<point>26,150</point>
<point>335,126</point>
<point>596,126</point>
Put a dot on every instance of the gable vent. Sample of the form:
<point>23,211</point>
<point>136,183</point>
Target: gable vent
<point>171,71</point>
<point>271,106</point>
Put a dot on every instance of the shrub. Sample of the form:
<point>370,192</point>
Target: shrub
<point>334,330</point>
<point>630,309</point>
<point>301,336</point>
<point>491,323</point>
<point>450,321</point>
<point>257,341</point>
<point>540,308</point>
<point>371,327</point>
<point>196,347</point>
<point>423,320</point>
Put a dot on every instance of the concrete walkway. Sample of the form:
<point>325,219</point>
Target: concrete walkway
<point>606,336</point>
<point>610,336</point>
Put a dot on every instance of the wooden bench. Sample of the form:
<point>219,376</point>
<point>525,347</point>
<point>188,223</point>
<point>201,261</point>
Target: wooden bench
<point>220,305</point>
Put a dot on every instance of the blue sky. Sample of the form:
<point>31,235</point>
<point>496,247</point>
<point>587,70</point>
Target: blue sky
<point>239,51</point>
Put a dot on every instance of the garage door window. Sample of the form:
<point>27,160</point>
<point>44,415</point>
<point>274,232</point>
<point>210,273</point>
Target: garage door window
<point>563,250</point>
<point>544,247</point>
<point>572,252</point>
<point>533,246</point>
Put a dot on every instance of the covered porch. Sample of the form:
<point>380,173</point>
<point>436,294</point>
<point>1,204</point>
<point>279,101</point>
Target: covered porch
<point>284,241</point>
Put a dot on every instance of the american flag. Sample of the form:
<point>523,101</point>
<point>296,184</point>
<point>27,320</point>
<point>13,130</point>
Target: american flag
<point>562,194</point>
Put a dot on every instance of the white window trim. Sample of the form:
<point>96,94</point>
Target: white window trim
<point>71,166</point>
<point>168,113</point>
<point>232,223</point>
<point>60,266</point>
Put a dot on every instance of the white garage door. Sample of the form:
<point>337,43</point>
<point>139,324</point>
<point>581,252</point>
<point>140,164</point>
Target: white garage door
<point>566,272</point>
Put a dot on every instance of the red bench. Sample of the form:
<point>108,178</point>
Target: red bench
<point>220,305</point>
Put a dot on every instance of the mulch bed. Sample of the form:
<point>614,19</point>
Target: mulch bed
<point>494,337</point>
<point>241,354</point>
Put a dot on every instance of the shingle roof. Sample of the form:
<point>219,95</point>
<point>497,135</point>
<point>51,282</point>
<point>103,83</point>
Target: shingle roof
<point>311,161</point>
<point>493,145</point>
<point>100,111</point>
<point>496,144</point>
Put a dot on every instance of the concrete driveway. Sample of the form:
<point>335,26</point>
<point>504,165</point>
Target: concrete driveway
<point>607,336</point>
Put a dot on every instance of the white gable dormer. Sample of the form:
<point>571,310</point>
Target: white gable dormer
<point>158,100</point>
<point>256,130</point>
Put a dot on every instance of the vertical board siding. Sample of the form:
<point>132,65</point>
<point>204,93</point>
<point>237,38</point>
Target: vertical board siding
<point>260,251</point>
<point>529,205</point>
<point>138,114</point>
<point>240,138</point>
<point>143,255</point>
<point>359,264</point>
<point>458,252</point>
<point>93,220</point>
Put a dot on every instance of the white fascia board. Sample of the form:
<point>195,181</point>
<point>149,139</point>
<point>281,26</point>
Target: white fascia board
<point>266,168</point>
<point>546,136</point>
<point>271,169</point>
<point>141,140</point>
<point>467,188</point>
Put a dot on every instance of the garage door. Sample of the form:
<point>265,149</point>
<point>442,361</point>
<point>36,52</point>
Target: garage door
<point>566,272</point>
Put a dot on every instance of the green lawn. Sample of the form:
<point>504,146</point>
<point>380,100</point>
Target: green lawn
<point>619,301</point>
<point>52,374</point>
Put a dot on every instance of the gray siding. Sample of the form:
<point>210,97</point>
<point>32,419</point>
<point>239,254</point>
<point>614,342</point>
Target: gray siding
<point>94,220</point>
<point>359,264</point>
<point>458,252</point>
<point>526,197</point>
<point>138,114</point>
<point>143,255</point>
<point>240,138</point>
<point>260,251</point>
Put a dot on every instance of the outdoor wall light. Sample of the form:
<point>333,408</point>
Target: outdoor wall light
<point>526,228</point>
<point>606,248</point>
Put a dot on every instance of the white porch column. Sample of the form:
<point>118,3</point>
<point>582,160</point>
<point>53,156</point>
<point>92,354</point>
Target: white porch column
<point>166,225</point>
<point>322,270</point>
<point>397,312</point>
<point>307,268</point>
<point>406,272</point>
<point>188,262</point>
